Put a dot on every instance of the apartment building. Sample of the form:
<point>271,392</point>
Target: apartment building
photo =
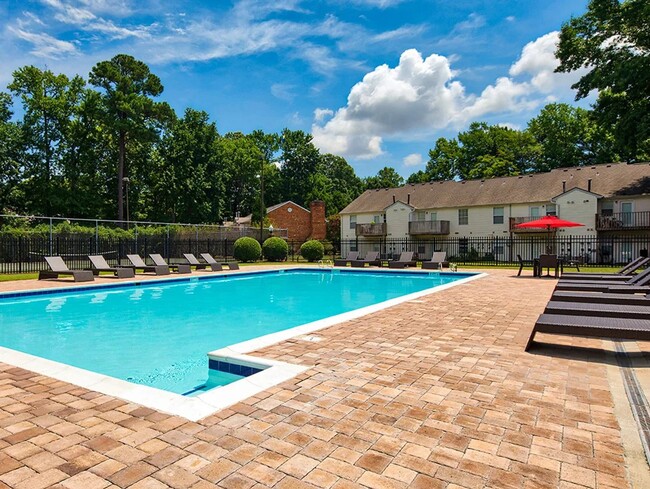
<point>609,199</point>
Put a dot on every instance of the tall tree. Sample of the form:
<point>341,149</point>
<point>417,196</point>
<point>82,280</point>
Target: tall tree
<point>335,183</point>
<point>419,176</point>
<point>611,40</point>
<point>130,113</point>
<point>49,101</point>
<point>10,150</point>
<point>444,160</point>
<point>299,161</point>
<point>387,177</point>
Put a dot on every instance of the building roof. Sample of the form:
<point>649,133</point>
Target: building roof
<point>609,180</point>
<point>277,206</point>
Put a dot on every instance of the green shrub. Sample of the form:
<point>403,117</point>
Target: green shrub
<point>312,250</point>
<point>247,249</point>
<point>275,249</point>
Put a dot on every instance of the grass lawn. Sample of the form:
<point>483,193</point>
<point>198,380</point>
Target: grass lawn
<point>17,276</point>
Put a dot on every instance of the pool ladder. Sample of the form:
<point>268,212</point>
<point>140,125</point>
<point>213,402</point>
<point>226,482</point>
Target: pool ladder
<point>325,264</point>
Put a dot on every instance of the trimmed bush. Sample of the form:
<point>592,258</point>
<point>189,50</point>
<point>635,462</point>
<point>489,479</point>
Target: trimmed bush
<point>312,250</point>
<point>275,249</point>
<point>247,249</point>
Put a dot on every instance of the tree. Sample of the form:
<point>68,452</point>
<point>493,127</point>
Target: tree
<point>130,113</point>
<point>10,150</point>
<point>337,182</point>
<point>419,176</point>
<point>49,102</point>
<point>444,160</point>
<point>611,40</point>
<point>387,177</point>
<point>568,136</point>
<point>299,161</point>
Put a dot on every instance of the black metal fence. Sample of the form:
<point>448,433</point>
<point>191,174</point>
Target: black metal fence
<point>25,254</point>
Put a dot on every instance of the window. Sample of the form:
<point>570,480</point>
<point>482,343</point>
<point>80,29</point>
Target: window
<point>433,216</point>
<point>607,208</point>
<point>378,220</point>
<point>627,213</point>
<point>419,216</point>
<point>353,222</point>
<point>463,217</point>
<point>497,215</point>
<point>551,210</point>
<point>533,211</point>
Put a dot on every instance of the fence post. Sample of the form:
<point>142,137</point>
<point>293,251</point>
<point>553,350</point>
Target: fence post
<point>97,237</point>
<point>20,254</point>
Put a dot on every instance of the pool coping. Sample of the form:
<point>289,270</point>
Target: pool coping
<point>198,407</point>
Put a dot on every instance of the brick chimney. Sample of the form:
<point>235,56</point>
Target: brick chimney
<point>317,208</point>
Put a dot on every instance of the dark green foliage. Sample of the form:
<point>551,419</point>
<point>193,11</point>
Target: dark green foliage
<point>312,250</point>
<point>299,161</point>
<point>275,249</point>
<point>247,250</point>
<point>387,177</point>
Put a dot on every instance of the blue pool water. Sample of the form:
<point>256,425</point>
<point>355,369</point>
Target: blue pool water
<point>158,334</point>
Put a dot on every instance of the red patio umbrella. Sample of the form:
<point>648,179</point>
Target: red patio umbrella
<point>548,223</point>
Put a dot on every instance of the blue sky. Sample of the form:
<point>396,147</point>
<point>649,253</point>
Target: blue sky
<point>375,81</point>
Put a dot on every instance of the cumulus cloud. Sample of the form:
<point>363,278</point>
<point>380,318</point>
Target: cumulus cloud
<point>414,159</point>
<point>420,95</point>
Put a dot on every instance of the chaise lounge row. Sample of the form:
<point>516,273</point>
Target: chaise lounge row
<point>160,267</point>
<point>613,305</point>
<point>438,260</point>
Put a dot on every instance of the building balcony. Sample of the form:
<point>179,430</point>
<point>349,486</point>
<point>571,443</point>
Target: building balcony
<point>371,229</point>
<point>515,221</point>
<point>623,221</point>
<point>428,228</point>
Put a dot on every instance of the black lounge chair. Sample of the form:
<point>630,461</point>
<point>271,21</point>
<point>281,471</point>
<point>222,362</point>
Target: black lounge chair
<point>624,273</point>
<point>343,262</point>
<point>438,260</point>
<point>194,262</point>
<point>372,258</point>
<point>635,284</point>
<point>601,298</point>
<point>158,260</point>
<point>593,326</point>
<point>404,260</point>
<point>139,264</point>
<point>58,267</point>
<point>598,309</point>
<point>232,265</point>
<point>99,264</point>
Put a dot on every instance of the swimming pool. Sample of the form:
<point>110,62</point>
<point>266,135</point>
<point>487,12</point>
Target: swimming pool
<point>158,334</point>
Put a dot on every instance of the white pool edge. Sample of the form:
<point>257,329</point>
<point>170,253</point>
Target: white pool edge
<point>198,407</point>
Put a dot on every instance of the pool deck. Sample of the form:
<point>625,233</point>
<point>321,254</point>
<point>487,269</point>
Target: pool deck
<point>433,393</point>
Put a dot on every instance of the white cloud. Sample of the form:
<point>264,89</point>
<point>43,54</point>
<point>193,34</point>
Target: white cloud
<point>378,3</point>
<point>282,91</point>
<point>420,96</point>
<point>322,114</point>
<point>44,45</point>
<point>414,159</point>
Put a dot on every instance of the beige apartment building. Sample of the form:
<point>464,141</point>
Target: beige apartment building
<point>609,199</point>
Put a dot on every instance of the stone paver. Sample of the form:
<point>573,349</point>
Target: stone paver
<point>431,393</point>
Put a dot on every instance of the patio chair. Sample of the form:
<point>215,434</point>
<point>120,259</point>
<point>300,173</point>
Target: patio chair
<point>194,262</point>
<point>158,260</point>
<point>404,260</point>
<point>343,262</point>
<point>372,258</point>
<point>99,264</point>
<point>438,260</point>
<point>232,265</point>
<point>601,297</point>
<point>594,326</point>
<point>58,267</point>
<point>525,263</point>
<point>598,309</point>
<point>138,264</point>
<point>624,273</point>
<point>635,284</point>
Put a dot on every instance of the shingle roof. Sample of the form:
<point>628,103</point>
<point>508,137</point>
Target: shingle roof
<point>609,180</point>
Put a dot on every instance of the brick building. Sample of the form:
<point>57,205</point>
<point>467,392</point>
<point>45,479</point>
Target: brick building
<point>302,224</point>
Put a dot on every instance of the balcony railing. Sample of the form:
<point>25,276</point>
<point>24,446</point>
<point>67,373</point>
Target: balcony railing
<point>371,229</point>
<point>515,221</point>
<point>623,220</point>
<point>428,227</point>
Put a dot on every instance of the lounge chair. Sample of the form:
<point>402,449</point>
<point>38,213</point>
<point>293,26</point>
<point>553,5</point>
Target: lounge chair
<point>372,258</point>
<point>594,326</point>
<point>624,273</point>
<point>438,260</point>
<point>58,267</point>
<point>404,260</point>
<point>598,309</point>
<point>194,262</point>
<point>635,284</point>
<point>525,263</point>
<point>232,265</point>
<point>343,262</point>
<point>158,260</point>
<point>99,264</point>
<point>601,298</point>
<point>139,264</point>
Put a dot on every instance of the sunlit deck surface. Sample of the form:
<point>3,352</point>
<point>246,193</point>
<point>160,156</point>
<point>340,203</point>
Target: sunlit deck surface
<point>433,393</point>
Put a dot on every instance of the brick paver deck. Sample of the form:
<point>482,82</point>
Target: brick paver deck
<point>435,393</point>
